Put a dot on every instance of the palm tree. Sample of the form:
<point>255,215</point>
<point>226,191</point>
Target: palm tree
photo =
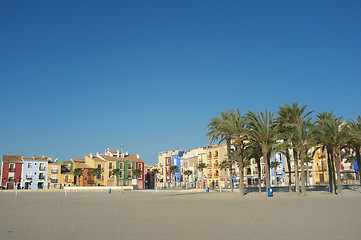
<point>226,164</point>
<point>201,166</point>
<point>95,172</point>
<point>188,173</point>
<point>253,150</point>
<point>331,133</point>
<point>291,127</point>
<point>137,172</point>
<point>261,130</point>
<point>355,141</point>
<point>78,172</point>
<point>173,170</point>
<point>308,160</point>
<point>218,131</point>
<point>302,136</point>
<point>275,165</point>
<point>155,171</point>
<point>236,126</point>
<point>116,172</point>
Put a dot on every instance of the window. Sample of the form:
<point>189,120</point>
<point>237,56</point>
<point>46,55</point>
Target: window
<point>121,165</point>
<point>29,175</point>
<point>100,167</point>
<point>129,166</point>
<point>110,165</point>
<point>317,164</point>
<point>110,174</point>
<point>41,176</point>
<point>30,165</point>
<point>129,174</point>
<point>42,166</point>
<point>139,166</point>
<point>11,176</point>
<point>12,167</point>
<point>54,169</point>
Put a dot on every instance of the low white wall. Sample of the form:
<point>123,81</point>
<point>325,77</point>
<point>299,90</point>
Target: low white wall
<point>102,188</point>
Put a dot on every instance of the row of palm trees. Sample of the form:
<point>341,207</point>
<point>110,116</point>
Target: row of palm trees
<point>293,133</point>
<point>95,172</point>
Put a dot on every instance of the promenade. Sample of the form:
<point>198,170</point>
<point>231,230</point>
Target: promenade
<point>179,215</point>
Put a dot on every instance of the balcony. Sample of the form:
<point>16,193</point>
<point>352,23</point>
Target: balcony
<point>12,169</point>
<point>54,180</point>
<point>41,177</point>
<point>42,168</point>
<point>54,171</point>
<point>29,178</point>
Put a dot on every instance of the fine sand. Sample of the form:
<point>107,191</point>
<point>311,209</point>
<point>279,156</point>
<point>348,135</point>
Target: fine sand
<point>179,215</point>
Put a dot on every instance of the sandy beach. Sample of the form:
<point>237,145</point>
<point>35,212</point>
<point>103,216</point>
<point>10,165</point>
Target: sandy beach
<point>179,215</point>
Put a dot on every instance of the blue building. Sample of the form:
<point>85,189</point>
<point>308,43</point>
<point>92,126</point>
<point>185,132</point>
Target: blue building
<point>278,177</point>
<point>176,159</point>
<point>34,174</point>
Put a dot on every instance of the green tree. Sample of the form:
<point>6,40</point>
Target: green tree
<point>226,165</point>
<point>201,167</point>
<point>137,172</point>
<point>236,125</point>
<point>293,131</point>
<point>173,170</point>
<point>261,130</point>
<point>78,172</point>
<point>188,173</point>
<point>219,131</point>
<point>95,172</point>
<point>275,165</point>
<point>116,172</point>
<point>354,142</point>
<point>332,134</point>
<point>155,171</point>
<point>254,151</point>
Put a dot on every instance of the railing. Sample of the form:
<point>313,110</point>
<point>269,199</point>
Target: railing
<point>41,177</point>
<point>29,178</point>
<point>12,170</point>
<point>42,168</point>
<point>54,180</point>
<point>54,171</point>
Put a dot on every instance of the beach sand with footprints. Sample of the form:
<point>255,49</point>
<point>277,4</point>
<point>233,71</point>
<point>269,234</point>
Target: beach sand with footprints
<point>179,215</point>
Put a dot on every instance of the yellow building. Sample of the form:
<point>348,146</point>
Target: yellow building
<point>54,175</point>
<point>95,161</point>
<point>320,166</point>
<point>215,155</point>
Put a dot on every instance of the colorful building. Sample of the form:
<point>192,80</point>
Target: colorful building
<point>35,172</point>
<point>54,175</point>
<point>11,171</point>
<point>278,176</point>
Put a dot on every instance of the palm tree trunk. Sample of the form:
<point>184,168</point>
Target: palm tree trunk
<point>230,169</point>
<point>259,175</point>
<point>289,175</point>
<point>241,175</point>
<point>303,177</point>
<point>308,174</point>
<point>358,159</point>
<point>267,170</point>
<point>330,173</point>
<point>297,183</point>
<point>338,172</point>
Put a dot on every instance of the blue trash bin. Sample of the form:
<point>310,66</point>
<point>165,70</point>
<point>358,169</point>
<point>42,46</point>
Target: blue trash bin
<point>207,189</point>
<point>270,192</point>
<point>110,191</point>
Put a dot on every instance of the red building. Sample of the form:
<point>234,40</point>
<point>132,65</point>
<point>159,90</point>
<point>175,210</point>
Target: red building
<point>11,168</point>
<point>168,164</point>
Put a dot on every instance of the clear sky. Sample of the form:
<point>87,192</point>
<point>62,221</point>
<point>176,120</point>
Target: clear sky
<point>81,76</point>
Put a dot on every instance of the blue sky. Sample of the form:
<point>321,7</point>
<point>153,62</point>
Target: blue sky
<point>81,76</point>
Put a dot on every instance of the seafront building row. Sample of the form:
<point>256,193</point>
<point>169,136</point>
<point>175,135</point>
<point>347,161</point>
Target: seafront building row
<point>43,173</point>
<point>214,176</point>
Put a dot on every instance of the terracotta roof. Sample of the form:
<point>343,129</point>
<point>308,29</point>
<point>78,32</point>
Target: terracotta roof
<point>77,160</point>
<point>82,165</point>
<point>113,151</point>
<point>95,158</point>
<point>11,159</point>
<point>36,158</point>
<point>54,163</point>
<point>66,161</point>
<point>128,158</point>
